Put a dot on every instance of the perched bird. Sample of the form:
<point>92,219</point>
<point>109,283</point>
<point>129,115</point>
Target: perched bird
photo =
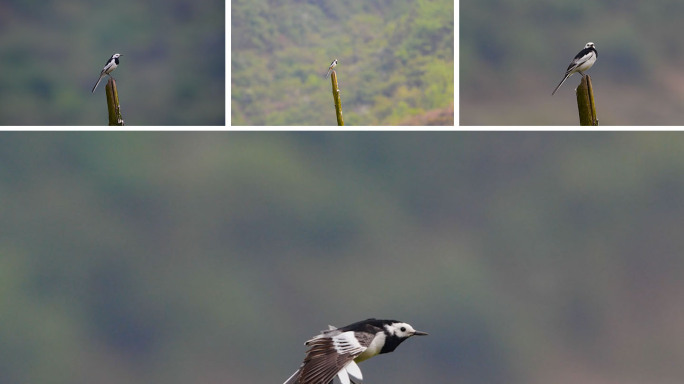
<point>111,65</point>
<point>336,351</point>
<point>330,68</point>
<point>583,61</point>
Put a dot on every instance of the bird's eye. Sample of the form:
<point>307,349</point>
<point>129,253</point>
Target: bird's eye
<point>403,329</point>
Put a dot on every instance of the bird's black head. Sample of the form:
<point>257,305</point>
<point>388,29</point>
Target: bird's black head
<point>396,332</point>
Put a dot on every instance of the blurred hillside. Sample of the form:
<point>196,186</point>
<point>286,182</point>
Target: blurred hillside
<point>211,257</point>
<point>172,71</point>
<point>396,61</point>
<point>513,54</point>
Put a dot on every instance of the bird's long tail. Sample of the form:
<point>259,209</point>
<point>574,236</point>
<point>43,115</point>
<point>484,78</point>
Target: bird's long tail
<point>561,83</point>
<point>328,74</point>
<point>293,379</point>
<point>98,83</point>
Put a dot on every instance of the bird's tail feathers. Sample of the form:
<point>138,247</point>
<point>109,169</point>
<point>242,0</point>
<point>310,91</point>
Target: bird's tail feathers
<point>561,83</point>
<point>354,371</point>
<point>293,379</point>
<point>96,84</point>
<point>351,373</point>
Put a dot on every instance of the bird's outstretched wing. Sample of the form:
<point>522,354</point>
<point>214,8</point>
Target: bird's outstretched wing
<point>330,354</point>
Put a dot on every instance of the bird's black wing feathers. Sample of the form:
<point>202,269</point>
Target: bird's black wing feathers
<point>368,325</point>
<point>581,57</point>
<point>583,52</point>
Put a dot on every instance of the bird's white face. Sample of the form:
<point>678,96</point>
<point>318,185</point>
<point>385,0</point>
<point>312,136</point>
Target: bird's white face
<point>402,330</point>
<point>116,55</point>
<point>589,45</point>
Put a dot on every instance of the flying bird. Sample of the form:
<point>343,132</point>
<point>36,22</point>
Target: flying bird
<point>336,351</point>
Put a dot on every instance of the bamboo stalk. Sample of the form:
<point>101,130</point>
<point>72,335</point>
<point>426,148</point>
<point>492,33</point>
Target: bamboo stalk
<point>113,106</point>
<point>586,105</point>
<point>336,97</point>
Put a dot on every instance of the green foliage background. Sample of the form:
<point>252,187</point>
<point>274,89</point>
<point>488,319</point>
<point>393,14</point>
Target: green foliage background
<point>395,60</point>
<point>172,71</point>
<point>211,257</point>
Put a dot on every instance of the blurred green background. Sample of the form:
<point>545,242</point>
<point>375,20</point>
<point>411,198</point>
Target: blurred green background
<point>396,62</point>
<point>513,54</point>
<point>211,257</point>
<point>172,71</point>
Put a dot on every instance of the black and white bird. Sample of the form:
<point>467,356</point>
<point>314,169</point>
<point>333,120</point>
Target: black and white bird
<point>330,68</point>
<point>583,61</point>
<point>111,65</point>
<point>336,351</point>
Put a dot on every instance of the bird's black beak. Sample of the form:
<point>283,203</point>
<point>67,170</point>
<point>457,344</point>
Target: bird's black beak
<point>419,333</point>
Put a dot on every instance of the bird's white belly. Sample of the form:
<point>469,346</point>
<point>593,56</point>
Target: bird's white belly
<point>587,64</point>
<point>373,349</point>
